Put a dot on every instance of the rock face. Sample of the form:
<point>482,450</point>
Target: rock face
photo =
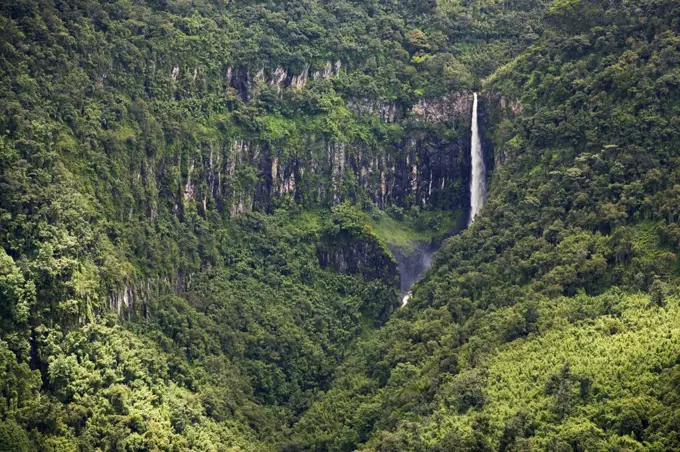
<point>363,255</point>
<point>387,111</point>
<point>135,295</point>
<point>445,109</point>
<point>250,175</point>
<point>248,83</point>
<point>426,168</point>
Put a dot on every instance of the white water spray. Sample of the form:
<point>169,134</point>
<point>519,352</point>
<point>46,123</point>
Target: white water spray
<point>478,184</point>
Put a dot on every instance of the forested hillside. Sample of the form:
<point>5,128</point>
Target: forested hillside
<point>207,208</point>
<point>551,324</point>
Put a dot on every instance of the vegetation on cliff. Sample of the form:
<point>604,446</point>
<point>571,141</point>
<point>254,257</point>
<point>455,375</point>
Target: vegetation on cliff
<point>178,268</point>
<point>549,325</point>
<point>197,200</point>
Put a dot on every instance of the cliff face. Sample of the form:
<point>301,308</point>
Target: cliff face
<point>364,256</point>
<point>423,170</point>
<point>425,164</point>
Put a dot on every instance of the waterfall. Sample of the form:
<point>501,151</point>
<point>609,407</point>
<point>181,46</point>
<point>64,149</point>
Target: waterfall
<point>478,183</point>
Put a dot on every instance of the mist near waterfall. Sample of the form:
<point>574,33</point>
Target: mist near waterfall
<point>412,265</point>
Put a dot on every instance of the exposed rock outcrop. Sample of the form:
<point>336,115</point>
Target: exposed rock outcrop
<point>132,295</point>
<point>363,255</point>
<point>387,111</point>
<point>248,83</point>
<point>444,109</point>
<point>244,174</point>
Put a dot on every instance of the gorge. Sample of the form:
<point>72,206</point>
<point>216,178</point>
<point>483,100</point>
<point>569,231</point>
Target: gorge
<point>357,225</point>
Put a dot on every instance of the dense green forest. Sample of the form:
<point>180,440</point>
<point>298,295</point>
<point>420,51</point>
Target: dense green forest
<point>207,208</point>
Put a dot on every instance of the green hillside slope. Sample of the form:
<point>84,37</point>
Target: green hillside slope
<point>192,201</point>
<point>551,323</point>
<point>198,200</point>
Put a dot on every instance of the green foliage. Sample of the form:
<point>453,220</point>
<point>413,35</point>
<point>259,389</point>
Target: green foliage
<point>133,138</point>
<point>13,438</point>
<point>255,302</point>
<point>548,324</point>
<point>417,226</point>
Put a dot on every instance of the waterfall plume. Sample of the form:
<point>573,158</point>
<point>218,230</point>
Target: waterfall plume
<point>478,183</point>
